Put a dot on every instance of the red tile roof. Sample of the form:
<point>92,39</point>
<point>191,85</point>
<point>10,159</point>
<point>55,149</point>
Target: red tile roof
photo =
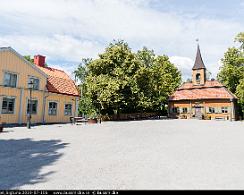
<point>211,90</point>
<point>59,82</point>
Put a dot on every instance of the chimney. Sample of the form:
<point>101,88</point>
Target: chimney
<point>39,60</point>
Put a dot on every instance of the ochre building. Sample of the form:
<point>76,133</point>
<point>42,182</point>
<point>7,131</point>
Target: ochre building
<point>54,96</point>
<point>202,98</point>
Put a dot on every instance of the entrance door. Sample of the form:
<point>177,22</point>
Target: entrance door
<point>198,113</point>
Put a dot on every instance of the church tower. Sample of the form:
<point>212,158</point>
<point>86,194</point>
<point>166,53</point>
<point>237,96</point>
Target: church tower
<point>198,70</point>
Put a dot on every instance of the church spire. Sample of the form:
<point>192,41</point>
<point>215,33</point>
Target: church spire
<point>199,69</point>
<point>198,62</point>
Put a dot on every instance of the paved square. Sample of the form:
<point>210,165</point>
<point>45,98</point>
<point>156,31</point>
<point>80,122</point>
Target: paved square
<point>167,154</point>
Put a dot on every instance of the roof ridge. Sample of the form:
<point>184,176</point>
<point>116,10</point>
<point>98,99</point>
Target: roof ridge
<point>202,87</point>
<point>22,58</point>
<point>55,69</point>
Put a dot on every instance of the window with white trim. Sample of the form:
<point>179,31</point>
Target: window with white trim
<point>35,82</point>
<point>184,110</point>
<point>68,109</point>
<point>211,110</point>
<point>52,108</point>
<point>10,79</point>
<point>8,105</point>
<point>32,107</point>
<point>224,109</point>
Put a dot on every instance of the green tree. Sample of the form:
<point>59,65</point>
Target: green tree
<point>165,79</point>
<point>121,81</point>
<point>240,94</point>
<point>29,58</point>
<point>109,81</point>
<point>240,38</point>
<point>232,71</point>
<point>81,72</point>
<point>156,79</point>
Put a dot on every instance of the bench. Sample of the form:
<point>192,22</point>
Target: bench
<point>220,118</point>
<point>78,120</point>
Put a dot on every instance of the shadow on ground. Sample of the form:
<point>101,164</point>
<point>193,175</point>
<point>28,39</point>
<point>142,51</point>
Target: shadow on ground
<point>22,160</point>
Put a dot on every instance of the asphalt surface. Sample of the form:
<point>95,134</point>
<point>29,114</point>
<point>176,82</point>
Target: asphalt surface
<point>138,155</point>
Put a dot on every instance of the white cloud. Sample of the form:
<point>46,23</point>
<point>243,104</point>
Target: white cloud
<point>184,65</point>
<point>70,30</point>
<point>57,46</point>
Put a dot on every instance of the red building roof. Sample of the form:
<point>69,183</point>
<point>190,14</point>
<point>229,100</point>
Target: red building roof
<point>59,82</point>
<point>211,90</point>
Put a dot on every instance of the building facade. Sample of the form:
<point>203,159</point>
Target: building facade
<point>202,98</point>
<point>54,96</point>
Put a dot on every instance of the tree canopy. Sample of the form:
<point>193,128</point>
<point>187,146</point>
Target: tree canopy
<point>232,72</point>
<point>29,58</point>
<point>121,81</point>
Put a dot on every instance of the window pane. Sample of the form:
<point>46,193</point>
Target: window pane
<point>68,109</point>
<point>13,80</point>
<point>10,80</point>
<point>33,106</point>
<point>225,110</point>
<point>11,106</point>
<point>4,106</point>
<point>211,110</point>
<point>36,84</point>
<point>6,79</point>
<point>52,108</point>
<point>8,105</point>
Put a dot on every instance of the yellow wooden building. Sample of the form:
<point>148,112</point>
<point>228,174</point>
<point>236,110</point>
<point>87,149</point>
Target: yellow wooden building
<point>202,98</point>
<point>54,96</point>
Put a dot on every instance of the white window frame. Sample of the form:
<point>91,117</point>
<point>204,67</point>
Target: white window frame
<point>33,77</point>
<point>13,73</point>
<point>224,110</point>
<point>183,110</point>
<point>8,97</point>
<point>211,110</point>
<point>28,104</point>
<point>56,108</point>
<point>69,114</point>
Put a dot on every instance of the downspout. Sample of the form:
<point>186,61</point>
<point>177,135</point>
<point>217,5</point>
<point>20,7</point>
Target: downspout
<point>44,107</point>
<point>44,104</point>
<point>21,106</point>
<point>76,106</point>
<point>232,112</point>
<point>75,109</point>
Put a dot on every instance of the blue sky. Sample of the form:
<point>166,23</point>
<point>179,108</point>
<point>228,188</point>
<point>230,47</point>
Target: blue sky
<point>68,30</point>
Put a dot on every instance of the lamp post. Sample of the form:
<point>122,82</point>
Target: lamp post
<point>30,86</point>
